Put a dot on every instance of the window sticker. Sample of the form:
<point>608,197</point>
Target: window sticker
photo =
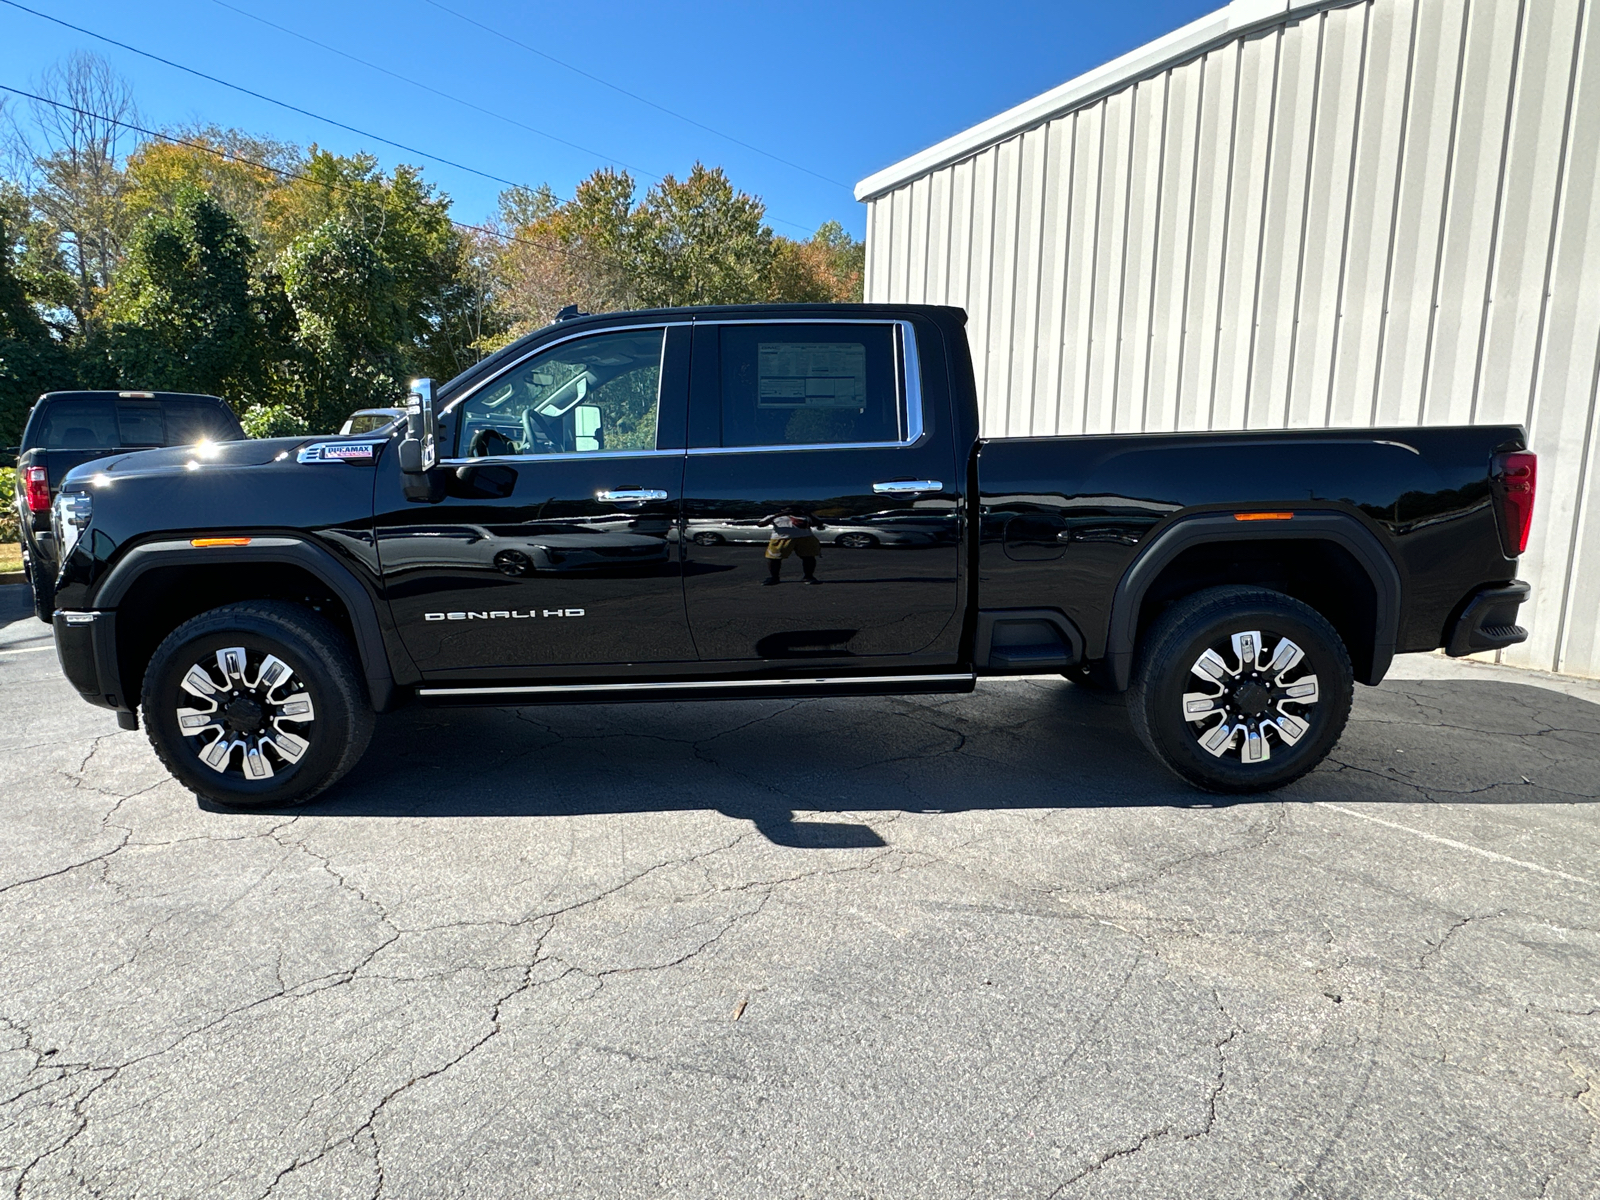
<point>812,375</point>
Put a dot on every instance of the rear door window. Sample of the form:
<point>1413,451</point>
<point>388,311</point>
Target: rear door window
<point>810,384</point>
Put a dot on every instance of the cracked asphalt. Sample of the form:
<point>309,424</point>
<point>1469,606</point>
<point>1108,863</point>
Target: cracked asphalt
<point>945,947</point>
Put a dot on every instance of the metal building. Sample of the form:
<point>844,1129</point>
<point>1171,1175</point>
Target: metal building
<point>1295,214</point>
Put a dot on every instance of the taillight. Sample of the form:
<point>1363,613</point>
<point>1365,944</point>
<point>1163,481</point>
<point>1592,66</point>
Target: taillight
<point>1517,477</point>
<point>37,486</point>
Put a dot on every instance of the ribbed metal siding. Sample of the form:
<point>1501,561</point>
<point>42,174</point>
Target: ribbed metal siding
<point>1383,213</point>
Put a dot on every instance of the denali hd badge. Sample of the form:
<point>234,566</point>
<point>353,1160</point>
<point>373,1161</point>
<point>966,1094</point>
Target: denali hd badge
<point>503,615</point>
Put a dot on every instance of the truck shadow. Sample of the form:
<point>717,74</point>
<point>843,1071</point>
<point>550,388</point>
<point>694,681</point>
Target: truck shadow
<point>1014,744</point>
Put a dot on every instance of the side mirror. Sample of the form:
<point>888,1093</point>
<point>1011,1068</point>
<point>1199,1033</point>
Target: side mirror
<point>419,449</point>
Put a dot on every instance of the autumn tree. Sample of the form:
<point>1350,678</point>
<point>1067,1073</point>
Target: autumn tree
<point>828,268</point>
<point>240,172</point>
<point>556,253</point>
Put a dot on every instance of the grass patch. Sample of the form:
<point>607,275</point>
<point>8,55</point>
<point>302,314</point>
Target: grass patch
<point>10,557</point>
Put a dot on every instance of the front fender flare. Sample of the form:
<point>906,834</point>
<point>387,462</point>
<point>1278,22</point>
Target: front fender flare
<point>358,602</point>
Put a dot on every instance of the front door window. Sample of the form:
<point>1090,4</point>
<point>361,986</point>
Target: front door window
<point>594,394</point>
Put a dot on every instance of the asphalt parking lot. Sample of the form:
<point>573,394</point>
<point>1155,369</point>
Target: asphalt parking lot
<point>976,946</point>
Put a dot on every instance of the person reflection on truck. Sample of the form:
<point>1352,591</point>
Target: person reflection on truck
<point>793,532</point>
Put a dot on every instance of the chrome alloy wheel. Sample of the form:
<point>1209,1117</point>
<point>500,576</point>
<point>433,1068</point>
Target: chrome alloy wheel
<point>1253,698</point>
<point>247,711</point>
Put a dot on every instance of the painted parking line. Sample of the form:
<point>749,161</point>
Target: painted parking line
<point>28,650</point>
<point>1455,845</point>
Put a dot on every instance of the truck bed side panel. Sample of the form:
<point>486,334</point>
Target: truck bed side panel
<point>1063,518</point>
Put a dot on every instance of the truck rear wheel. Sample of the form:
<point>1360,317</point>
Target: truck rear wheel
<point>256,705</point>
<point>1240,689</point>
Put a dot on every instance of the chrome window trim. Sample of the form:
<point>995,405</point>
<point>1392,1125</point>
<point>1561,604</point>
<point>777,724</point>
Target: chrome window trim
<point>908,385</point>
<point>564,456</point>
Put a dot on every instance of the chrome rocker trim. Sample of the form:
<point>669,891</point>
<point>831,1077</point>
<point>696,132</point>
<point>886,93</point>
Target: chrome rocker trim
<point>574,689</point>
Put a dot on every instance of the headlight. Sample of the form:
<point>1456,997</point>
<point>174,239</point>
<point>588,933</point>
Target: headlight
<point>69,518</point>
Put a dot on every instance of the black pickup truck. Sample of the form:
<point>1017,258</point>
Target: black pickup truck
<point>769,501</point>
<point>67,429</point>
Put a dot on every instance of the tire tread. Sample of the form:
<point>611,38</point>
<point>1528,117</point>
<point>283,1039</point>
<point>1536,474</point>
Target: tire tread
<point>320,637</point>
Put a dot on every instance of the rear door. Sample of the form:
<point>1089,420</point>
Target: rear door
<point>821,495</point>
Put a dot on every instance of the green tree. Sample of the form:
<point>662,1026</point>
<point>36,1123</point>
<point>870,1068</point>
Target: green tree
<point>272,420</point>
<point>32,359</point>
<point>700,242</point>
<point>350,320</point>
<point>182,311</point>
<point>380,284</point>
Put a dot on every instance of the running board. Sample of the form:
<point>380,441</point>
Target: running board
<point>727,689</point>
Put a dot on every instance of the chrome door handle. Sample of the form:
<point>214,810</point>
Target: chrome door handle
<point>907,487</point>
<point>629,495</point>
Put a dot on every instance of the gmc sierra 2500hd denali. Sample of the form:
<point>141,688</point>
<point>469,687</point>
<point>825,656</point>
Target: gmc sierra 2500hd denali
<point>768,501</point>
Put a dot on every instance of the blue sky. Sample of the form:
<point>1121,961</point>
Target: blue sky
<point>840,89</point>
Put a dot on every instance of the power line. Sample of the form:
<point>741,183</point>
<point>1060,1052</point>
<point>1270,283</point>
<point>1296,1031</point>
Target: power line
<point>280,172</point>
<point>427,88</point>
<point>261,96</point>
<point>631,95</point>
<point>317,116</point>
<point>294,33</point>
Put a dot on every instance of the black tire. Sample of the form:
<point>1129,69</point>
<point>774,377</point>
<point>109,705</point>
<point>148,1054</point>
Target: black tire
<point>44,595</point>
<point>1248,694</point>
<point>708,539</point>
<point>321,664</point>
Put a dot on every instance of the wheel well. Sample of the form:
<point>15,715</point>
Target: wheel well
<point>163,598</point>
<point>1320,573</point>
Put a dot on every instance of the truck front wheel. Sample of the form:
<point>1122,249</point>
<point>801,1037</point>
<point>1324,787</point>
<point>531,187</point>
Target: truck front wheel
<point>256,705</point>
<point>1240,689</point>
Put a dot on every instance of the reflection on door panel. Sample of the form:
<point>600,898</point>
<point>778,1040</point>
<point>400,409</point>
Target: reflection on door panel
<point>790,553</point>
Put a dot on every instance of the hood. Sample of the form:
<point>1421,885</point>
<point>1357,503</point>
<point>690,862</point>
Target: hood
<point>247,452</point>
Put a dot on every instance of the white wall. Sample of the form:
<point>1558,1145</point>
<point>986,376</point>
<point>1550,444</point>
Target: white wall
<point>1384,213</point>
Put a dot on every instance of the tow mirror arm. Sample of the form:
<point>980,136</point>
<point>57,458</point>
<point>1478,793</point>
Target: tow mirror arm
<point>419,449</point>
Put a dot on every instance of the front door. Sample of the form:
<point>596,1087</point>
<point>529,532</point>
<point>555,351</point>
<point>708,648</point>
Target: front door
<point>821,507</point>
<point>555,541</point>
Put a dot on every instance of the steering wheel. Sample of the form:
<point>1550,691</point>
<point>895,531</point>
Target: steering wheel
<point>489,443</point>
<point>529,419</point>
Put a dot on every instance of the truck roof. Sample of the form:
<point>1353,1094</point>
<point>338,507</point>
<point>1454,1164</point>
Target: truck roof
<point>707,312</point>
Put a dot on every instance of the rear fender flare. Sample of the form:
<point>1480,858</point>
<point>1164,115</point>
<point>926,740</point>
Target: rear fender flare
<point>293,551</point>
<point>1339,528</point>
